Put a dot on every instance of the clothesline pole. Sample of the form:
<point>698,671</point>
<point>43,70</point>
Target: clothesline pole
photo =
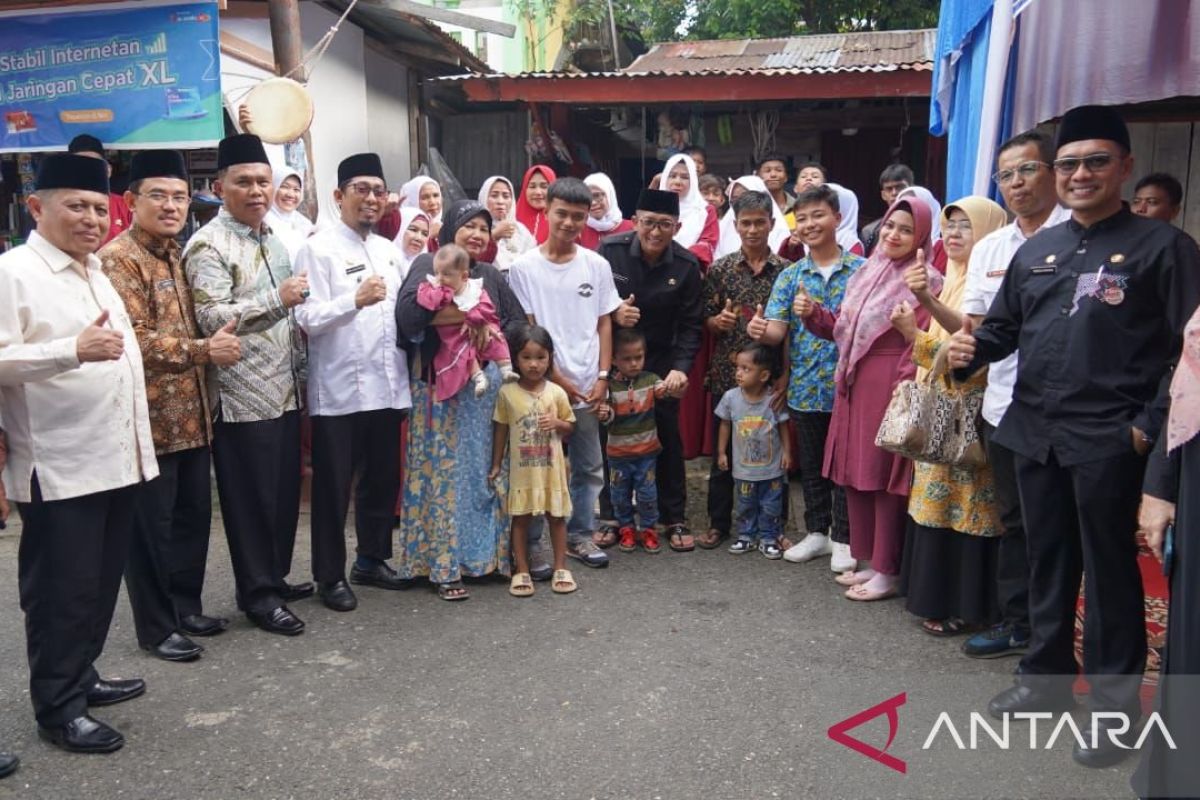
<point>288,48</point>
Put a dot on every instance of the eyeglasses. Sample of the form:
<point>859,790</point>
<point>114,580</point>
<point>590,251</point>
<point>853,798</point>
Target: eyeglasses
<point>1026,170</point>
<point>1096,162</point>
<point>364,189</point>
<point>664,225</point>
<point>162,198</point>
<point>955,226</point>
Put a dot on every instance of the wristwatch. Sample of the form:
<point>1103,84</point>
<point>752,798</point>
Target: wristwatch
<point>602,375</point>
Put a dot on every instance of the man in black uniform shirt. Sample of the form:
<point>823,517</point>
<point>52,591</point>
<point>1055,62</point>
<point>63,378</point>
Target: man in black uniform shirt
<point>659,282</point>
<point>1097,306</point>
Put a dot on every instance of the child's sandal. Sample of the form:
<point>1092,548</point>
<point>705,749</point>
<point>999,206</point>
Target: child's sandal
<point>521,585</point>
<point>563,582</point>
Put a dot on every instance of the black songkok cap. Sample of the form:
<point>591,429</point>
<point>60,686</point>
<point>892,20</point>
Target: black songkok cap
<point>241,148</point>
<point>157,164</point>
<point>69,171</point>
<point>658,202</point>
<point>1092,122</point>
<point>362,165</point>
<point>86,143</point>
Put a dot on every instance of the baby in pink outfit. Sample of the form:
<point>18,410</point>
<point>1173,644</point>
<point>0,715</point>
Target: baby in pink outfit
<point>457,361</point>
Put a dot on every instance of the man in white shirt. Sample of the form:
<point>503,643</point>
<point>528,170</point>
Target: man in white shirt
<point>569,291</point>
<point>73,400</point>
<point>357,384</point>
<point>1026,182</point>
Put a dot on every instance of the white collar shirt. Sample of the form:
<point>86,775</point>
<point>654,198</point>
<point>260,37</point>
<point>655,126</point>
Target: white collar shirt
<point>354,364</point>
<point>82,427</point>
<point>985,273</point>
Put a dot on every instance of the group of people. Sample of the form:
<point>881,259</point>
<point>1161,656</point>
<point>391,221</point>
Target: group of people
<point>535,360</point>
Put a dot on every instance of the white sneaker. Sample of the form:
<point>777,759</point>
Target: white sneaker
<point>842,560</point>
<point>811,546</point>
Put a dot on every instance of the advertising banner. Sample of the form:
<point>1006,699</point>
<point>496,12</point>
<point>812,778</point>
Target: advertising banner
<point>135,75</point>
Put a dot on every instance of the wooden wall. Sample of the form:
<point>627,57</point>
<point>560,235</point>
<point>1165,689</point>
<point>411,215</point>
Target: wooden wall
<point>477,146</point>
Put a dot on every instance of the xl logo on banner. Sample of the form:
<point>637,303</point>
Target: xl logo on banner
<point>839,732</point>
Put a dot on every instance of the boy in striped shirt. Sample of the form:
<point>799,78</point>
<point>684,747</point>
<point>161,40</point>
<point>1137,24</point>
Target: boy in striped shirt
<point>633,445</point>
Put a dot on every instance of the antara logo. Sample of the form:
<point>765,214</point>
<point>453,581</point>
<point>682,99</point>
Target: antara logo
<point>838,732</point>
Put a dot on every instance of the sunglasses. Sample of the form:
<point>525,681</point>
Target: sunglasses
<point>1096,162</point>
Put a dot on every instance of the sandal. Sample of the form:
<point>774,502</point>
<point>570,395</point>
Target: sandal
<point>605,536</point>
<point>860,592</point>
<point>711,539</point>
<point>853,578</point>
<point>521,585</point>
<point>453,591</point>
<point>950,626</point>
<point>563,582</point>
<point>680,534</point>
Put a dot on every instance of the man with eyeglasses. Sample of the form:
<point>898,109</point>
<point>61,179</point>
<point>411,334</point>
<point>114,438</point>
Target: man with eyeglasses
<point>1097,306</point>
<point>165,572</point>
<point>357,384</point>
<point>660,286</point>
<point>1026,182</point>
<point>241,277</point>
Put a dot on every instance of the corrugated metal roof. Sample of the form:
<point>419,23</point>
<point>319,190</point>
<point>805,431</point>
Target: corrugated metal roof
<point>397,28</point>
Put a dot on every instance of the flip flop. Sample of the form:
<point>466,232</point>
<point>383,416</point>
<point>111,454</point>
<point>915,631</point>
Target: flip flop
<point>521,585</point>
<point>711,539</point>
<point>677,533</point>
<point>564,578</point>
<point>605,536</point>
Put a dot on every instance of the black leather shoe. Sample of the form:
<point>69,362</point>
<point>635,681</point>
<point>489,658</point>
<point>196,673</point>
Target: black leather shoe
<point>176,647</point>
<point>297,591</point>
<point>8,764</point>
<point>337,596</point>
<point>200,625</point>
<point>83,735</point>
<point>277,620</point>
<point>1106,753</point>
<point>1023,698</point>
<point>106,693</point>
<point>381,576</point>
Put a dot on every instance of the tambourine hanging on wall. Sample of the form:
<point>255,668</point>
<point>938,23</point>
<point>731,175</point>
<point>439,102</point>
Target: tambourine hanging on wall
<point>281,110</point>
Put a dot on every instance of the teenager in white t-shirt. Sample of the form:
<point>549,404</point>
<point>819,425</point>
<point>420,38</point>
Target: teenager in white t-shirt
<point>569,291</point>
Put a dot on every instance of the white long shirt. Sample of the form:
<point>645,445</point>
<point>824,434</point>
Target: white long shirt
<point>985,273</point>
<point>353,362</point>
<point>84,428</point>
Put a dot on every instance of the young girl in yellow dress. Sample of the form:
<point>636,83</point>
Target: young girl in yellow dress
<point>532,416</point>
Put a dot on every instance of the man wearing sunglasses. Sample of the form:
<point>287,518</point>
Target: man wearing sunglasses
<point>357,384</point>
<point>1097,307</point>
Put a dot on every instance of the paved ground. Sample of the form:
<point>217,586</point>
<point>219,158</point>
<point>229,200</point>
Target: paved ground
<point>673,677</point>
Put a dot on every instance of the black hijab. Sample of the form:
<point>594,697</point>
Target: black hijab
<point>459,214</point>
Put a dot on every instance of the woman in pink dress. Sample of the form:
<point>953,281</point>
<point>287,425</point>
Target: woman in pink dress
<point>872,359</point>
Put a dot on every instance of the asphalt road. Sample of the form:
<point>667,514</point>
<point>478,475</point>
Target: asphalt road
<point>666,677</point>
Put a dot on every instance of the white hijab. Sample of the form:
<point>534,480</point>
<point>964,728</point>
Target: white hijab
<point>693,209</point>
<point>407,215</point>
<point>486,189</point>
<point>935,208</point>
<point>521,241</point>
<point>613,217</point>
<point>410,194</point>
<point>291,227</point>
<point>847,231</point>
<point>730,241</point>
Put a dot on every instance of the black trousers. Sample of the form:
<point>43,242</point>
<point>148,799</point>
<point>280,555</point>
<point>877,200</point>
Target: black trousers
<point>258,481</point>
<point>1012,567</point>
<point>70,561</point>
<point>824,501</point>
<point>165,572</point>
<point>670,470</point>
<point>1083,519</point>
<point>365,446</point>
<point>720,484</point>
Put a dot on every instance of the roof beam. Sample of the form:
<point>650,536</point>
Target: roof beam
<point>420,10</point>
<point>610,90</point>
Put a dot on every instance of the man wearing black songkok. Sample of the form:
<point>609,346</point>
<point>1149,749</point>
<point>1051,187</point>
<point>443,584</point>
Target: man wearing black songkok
<point>120,217</point>
<point>1097,307</point>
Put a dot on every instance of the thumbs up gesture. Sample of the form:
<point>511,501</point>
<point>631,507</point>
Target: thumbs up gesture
<point>905,320</point>
<point>962,344</point>
<point>757,325</point>
<point>224,346</point>
<point>803,305</point>
<point>725,320</point>
<point>627,314</point>
<point>917,277</point>
<point>99,342</point>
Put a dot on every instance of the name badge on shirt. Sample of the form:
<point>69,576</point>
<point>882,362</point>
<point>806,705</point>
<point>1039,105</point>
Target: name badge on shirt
<point>1045,269</point>
<point>169,283</point>
<point>356,268</point>
<point>997,273</point>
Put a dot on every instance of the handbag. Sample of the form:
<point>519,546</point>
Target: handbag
<point>933,423</point>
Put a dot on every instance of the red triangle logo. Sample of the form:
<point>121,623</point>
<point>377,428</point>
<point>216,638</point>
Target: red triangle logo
<point>838,732</point>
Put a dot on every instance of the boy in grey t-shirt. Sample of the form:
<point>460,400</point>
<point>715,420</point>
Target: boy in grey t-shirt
<point>762,446</point>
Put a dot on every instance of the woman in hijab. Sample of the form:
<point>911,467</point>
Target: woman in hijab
<point>730,241</point>
<point>1169,519</point>
<point>873,358</point>
<point>425,194</point>
<point>698,227</point>
<point>938,259</point>
<point>949,566</point>
<point>451,522</point>
<point>509,237</point>
<point>604,217</point>
<point>413,237</point>
<point>288,224</point>
<point>531,205</point>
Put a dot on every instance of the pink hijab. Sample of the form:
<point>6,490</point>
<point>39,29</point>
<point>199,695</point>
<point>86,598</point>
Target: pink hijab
<point>1183,422</point>
<point>876,288</point>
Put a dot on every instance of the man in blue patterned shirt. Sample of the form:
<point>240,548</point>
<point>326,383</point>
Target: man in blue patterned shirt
<point>822,275</point>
